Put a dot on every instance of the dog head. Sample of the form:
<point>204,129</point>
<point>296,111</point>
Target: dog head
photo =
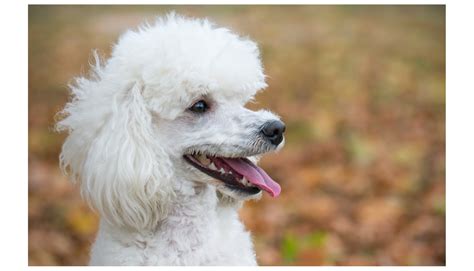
<point>167,111</point>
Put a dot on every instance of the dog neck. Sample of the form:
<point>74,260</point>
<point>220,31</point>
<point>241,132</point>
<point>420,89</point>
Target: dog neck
<point>202,227</point>
<point>195,211</point>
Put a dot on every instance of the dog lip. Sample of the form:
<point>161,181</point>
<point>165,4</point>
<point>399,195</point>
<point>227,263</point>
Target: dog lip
<point>228,179</point>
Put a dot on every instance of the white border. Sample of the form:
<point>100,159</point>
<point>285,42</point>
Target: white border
<point>14,136</point>
<point>460,132</point>
<point>459,137</point>
<point>241,2</point>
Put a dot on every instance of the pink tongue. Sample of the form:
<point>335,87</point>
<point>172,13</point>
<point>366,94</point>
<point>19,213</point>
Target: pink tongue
<point>254,174</point>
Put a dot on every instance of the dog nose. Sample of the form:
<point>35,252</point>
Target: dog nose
<point>273,131</point>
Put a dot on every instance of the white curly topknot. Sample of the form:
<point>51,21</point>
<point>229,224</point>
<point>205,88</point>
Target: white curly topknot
<point>177,54</point>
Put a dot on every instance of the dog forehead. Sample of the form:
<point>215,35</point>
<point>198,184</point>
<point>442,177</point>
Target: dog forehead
<point>179,59</point>
<point>182,56</point>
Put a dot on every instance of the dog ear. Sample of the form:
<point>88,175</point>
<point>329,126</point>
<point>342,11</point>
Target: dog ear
<point>123,172</point>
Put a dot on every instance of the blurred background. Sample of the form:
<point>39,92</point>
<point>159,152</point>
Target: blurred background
<point>361,89</point>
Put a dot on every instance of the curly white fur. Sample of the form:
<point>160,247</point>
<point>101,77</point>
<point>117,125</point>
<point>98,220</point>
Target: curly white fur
<point>129,127</point>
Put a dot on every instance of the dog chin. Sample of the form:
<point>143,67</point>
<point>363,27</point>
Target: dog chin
<point>238,195</point>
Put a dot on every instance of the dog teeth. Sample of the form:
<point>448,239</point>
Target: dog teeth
<point>207,162</point>
<point>204,160</point>
<point>245,182</point>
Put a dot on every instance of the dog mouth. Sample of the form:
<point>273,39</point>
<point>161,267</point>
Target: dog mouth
<point>236,173</point>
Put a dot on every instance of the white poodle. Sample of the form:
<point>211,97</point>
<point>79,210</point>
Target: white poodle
<point>164,149</point>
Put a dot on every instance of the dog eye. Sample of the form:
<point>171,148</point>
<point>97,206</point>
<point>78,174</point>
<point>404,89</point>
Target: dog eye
<point>199,107</point>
